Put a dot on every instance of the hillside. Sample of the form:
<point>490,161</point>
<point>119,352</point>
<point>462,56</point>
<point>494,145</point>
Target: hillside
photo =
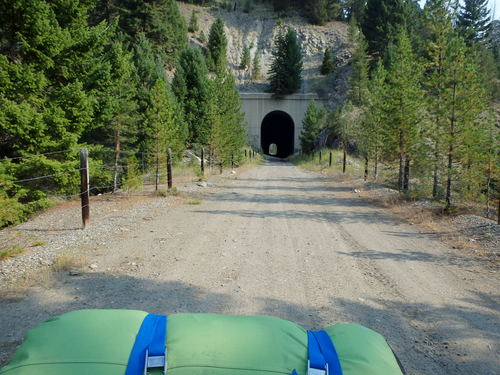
<point>258,29</point>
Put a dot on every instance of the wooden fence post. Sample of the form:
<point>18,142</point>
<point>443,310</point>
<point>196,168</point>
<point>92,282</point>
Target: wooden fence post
<point>330,161</point>
<point>320,157</point>
<point>169,167</point>
<point>84,186</point>
<point>202,166</point>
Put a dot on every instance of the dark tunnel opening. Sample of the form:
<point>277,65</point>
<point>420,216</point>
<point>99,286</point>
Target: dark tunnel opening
<point>278,128</point>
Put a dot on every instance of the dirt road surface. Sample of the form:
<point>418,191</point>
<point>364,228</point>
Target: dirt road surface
<point>285,242</point>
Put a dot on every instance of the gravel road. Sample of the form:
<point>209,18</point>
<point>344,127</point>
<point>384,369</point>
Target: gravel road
<point>281,241</point>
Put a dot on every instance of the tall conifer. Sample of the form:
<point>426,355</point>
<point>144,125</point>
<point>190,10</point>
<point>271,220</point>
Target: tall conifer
<point>286,68</point>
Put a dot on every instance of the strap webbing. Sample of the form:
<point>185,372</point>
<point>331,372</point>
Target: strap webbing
<point>151,337</point>
<point>321,352</point>
<point>327,350</point>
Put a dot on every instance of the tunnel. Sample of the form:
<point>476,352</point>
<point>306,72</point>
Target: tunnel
<point>277,128</point>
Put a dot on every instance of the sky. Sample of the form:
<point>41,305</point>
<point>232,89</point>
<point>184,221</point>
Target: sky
<point>493,4</point>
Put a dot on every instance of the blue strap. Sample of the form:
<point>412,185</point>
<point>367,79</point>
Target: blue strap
<point>316,358</point>
<point>330,355</point>
<point>321,352</point>
<point>151,337</point>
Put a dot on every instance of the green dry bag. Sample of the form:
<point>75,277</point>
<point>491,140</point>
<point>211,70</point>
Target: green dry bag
<point>100,342</point>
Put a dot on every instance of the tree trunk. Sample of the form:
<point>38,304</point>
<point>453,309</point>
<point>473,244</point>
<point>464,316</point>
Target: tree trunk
<point>488,189</point>
<point>435,177</point>
<point>366,167</point>
<point>375,167</point>
<point>344,160</point>
<point>401,162</point>
<point>498,217</point>
<point>117,159</point>
<point>450,152</point>
<point>406,177</point>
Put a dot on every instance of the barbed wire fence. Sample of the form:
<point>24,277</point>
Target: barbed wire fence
<point>129,169</point>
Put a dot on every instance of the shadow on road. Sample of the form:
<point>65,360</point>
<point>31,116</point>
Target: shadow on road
<point>104,291</point>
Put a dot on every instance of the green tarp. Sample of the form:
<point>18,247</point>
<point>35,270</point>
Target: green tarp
<point>98,342</point>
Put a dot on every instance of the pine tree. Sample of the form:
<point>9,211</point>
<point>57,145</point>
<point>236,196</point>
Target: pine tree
<point>438,21</point>
<point>245,58</point>
<point>317,11</point>
<point>217,46</point>
<point>148,70</point>
<point>256,67</point>
<point>227,131</point>
<point>383,21</point>
<point>474,21</point>
<point>122,108</point>
<point>328,65</point>
<point>159,20</point>
<point>286,68</point>
<point>355,9</point>
<point>166,127</point>
<point>359,78</point>
<point>372,139</point>
<point>193,22</point>
<point>341,123</point>
<point>404,103</point>
<point>463,101</point>
<point>195,75</point>
<point>202,38</point>
<point>314,121</point>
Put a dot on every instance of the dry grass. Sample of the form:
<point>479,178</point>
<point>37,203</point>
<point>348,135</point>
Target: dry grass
<point>67,261</point>
<point>11,251</point>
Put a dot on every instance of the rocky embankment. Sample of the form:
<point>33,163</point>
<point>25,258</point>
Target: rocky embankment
<point>258,29</point>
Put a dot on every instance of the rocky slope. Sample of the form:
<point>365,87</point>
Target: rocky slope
<point>259,28</point>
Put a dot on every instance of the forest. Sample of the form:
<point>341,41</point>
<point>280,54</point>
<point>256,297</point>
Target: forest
<point>95,74</point>
<point>423,99</point>
<point>120,78</point>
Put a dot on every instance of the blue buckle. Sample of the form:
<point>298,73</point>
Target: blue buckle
<point>317,371</point>
<point>157,361</point>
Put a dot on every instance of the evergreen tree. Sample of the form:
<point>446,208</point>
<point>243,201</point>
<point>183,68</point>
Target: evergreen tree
<point>404,103</point>
<point>474,21</point>
<point>193,22</point>
<point>148,69</point>
<point>202,38</point>
<point>52,68</point>
<point>120,127</point>
<point>245,58</point>
<point>227,131</point>
<point>341,123</point>
<point>159,20</point>
<point>317,11</point>
<point>372,139</point>
<point>166,127</point>
<point>359,78</point>
<point>438,22</point>
<point>463,102</point>
<point>328,65</point>
<point>383,21</point>
<point>286,68</point>
<point>195,102</point>
<point>355,9</point>
<point>314,121</point>
<point>217,46</point>
<point>256,67</point>
<point>414,19</point>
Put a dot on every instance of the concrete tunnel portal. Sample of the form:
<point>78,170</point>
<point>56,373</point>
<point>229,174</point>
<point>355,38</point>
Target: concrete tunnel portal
<point>278,128</point>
